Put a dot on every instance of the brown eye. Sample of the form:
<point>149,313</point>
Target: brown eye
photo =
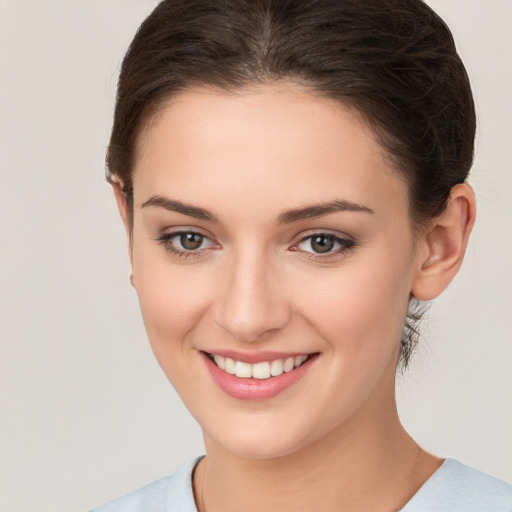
<point>326,244</point>
<point>322,243</point>
<point>191,241</point>
<point>185,244</point>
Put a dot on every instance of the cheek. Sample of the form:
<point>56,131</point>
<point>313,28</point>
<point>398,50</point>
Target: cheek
<point>358,307</point>
<point>358,314</point>
<point>173,300</point>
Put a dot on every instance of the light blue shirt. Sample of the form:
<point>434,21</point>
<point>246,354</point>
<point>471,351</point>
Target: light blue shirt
<point>454,487</point>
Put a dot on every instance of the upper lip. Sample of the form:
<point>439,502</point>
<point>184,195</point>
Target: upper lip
<point>255,357</point>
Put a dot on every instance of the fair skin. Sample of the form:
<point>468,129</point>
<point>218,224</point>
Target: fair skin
<point>266,277</point>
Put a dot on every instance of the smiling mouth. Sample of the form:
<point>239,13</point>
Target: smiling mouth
<point>262,370</point>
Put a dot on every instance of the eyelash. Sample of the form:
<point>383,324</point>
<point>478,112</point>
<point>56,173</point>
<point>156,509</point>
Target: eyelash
<point>345,244</point>
<point>165,240</point>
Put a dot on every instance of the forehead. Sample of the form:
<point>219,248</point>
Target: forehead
<point>276,142</point>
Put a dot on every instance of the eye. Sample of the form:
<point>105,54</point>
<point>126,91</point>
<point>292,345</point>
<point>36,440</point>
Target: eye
<point>324,243</point>
<point>190,241</point>
<point>185,243</point>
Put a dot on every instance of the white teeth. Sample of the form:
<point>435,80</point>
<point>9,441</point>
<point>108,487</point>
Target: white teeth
<point>289,364</point>
<point>220,361</point>
<point>230,366</point>
<point>276,367</point>
<point>243,369</point>
<point>262,370</point>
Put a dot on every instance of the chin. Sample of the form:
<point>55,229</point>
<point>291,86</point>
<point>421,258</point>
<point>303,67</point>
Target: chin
<point>259,448</point>
<point>262,441</point>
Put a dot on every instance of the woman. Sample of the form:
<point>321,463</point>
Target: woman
<point>291,177</point>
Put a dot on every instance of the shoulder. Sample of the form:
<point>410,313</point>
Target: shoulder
<point>457,487</point>
<point>172,492</point>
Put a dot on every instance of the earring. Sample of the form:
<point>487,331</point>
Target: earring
<point>131,280</point>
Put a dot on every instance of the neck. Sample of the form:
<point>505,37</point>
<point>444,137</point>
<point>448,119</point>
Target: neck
<point>360,466</point>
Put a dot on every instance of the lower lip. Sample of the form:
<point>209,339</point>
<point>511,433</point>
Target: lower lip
<point>255,389</point>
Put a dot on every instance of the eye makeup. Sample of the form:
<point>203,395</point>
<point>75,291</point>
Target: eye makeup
<point>191,243</point>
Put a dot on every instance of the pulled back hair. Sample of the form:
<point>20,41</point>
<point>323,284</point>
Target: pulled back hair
<point>394,61</point>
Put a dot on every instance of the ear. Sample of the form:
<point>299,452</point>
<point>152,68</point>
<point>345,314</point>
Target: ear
<point>444,244</point>
<point>124,212</point>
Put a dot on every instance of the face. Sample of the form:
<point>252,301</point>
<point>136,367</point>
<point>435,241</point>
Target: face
<point>271,239</point>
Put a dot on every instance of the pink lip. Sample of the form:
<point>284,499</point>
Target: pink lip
<point>255,357</point>
<point>255,389</point>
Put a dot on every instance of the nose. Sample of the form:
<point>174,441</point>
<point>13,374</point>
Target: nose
<point>251,303</point>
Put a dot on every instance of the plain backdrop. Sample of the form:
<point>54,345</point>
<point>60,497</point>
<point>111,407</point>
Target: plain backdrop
<point>85,412</point>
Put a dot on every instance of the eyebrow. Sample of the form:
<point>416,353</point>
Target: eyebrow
<point>177,206</point>
<point>287,217</point>
<point>318,210</point>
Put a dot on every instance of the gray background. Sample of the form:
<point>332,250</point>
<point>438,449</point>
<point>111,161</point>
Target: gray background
<point>85,412</point>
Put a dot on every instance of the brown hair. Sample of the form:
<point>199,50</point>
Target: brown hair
<point>395,61</point>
